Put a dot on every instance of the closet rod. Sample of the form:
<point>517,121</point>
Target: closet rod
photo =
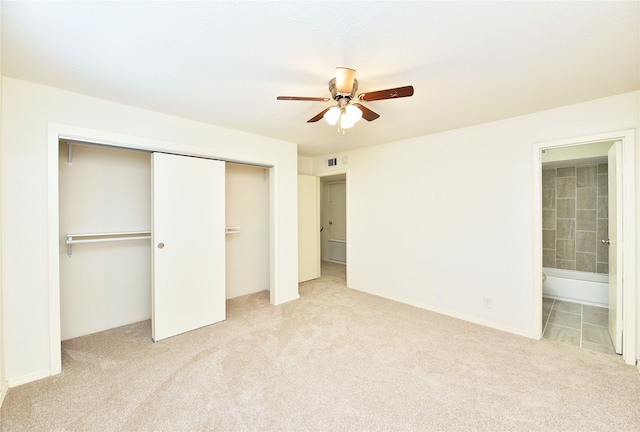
<point>120,236</point>
<point>105,237</point>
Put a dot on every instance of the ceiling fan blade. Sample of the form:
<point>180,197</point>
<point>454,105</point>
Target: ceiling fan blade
<point>393,93</point>
<point>319,116</point>
<point>301,98</point>
<point>345,78</point>
<point>367,114</point>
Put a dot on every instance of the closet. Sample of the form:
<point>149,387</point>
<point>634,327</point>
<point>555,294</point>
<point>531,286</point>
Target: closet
<point>103,284</point>
<point>158,206</point>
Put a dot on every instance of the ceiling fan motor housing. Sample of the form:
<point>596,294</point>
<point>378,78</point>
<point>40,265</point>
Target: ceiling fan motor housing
<point>335,94</point>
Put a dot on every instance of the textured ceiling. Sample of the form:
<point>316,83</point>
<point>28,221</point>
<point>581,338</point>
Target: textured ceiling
<point>225,62</point>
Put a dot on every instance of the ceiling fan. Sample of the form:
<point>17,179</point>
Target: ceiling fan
<point>346,112</point>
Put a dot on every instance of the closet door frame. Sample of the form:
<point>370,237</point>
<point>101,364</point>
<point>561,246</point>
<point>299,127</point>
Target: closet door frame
<point>61,132</point>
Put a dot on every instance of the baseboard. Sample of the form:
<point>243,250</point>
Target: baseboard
<point>463,317</point>
<point>286,300</point>
<point>3,391</point>
<point>28,378</point>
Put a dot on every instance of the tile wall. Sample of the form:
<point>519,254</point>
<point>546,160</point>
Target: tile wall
<point>575,208</point>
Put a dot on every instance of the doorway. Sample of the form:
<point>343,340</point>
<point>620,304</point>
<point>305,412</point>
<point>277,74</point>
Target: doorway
<point>575,218</point>
<point>334,232</point>
<point>568,257</point>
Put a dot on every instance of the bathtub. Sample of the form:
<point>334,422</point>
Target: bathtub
<point>577,286</point>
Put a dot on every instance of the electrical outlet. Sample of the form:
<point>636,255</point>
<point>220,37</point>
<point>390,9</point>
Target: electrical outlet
<point>439,295</point>
<point>487,302</point>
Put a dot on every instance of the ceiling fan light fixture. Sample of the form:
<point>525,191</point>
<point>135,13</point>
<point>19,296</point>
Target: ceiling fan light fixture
<point>332,115</point>
<point>352,113</point>
<point>345,122</point>
<point>345,78</point>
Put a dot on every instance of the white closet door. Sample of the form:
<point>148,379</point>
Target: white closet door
<point>308,228</point>
<point>188,244</point>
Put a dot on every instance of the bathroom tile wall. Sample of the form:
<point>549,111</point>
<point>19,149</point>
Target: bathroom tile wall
<point>575,208</point>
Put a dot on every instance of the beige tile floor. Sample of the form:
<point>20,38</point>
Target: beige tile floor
<point>576,324</point>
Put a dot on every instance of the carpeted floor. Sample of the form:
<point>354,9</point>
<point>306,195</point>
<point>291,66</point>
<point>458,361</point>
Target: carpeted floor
<point>335,360</point>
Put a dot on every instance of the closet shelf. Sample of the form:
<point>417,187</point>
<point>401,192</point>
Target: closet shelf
<point>105,237</point>
<point>120,236</point>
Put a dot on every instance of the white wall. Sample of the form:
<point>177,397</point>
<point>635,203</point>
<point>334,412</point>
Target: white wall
<point>28,110</point>
<point>305,165</point>
<point>104,285</point>
<point>247,207</point>
<point>445,220</point>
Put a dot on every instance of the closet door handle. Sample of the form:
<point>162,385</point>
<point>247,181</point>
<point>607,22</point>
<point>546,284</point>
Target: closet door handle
<point>160,245</point>
<point>607,242</point>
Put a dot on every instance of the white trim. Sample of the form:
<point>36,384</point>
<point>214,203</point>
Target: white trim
<point>117,140</point>
<point>628,232</point>
<point>53,216</point>
<point>29,378</point>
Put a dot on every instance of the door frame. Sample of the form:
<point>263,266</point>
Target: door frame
<point>59,131</point>
<point>346,180</point>
<point>628,212</point>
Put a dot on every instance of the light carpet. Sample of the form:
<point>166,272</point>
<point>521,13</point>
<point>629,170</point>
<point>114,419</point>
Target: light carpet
<point>335,360</point>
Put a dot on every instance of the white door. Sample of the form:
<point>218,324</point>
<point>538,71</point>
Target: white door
<point>308,228</point>
<point>188,243</point>
<point>615,246</point>
<point>337,203</point>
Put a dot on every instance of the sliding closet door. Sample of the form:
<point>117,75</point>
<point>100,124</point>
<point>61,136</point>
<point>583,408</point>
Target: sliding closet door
<point>188,244</point>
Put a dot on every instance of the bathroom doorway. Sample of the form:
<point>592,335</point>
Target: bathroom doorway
<point>575,257</point>
<point>581,267</point>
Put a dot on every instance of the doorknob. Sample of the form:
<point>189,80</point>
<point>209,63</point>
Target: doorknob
<point>161,245</point>
<point>607,242</point>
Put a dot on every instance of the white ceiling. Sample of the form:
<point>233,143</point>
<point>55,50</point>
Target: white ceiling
<point>225,62</point>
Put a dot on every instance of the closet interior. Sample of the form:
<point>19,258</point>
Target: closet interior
<point>105,231</point>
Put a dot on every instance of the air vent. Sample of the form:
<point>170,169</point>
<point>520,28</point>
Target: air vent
<point>332,162</point>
